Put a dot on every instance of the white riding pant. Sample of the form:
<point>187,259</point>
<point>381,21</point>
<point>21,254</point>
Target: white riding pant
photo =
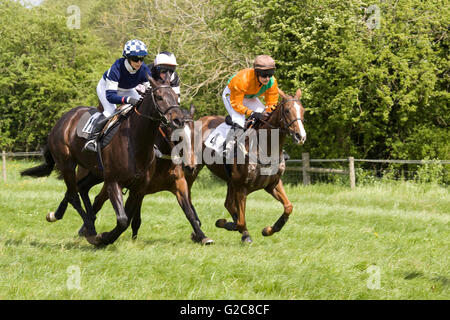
<point>253,104</point>
<point>109,107</point>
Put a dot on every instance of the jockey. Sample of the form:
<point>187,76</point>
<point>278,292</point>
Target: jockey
<point>241,94</point>
<point>164,66</point>
<point>118,86</point>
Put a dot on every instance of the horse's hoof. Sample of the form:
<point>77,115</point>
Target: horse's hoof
<point>246,239</point>
<point>207,241</point>
<point>50,217</point>
<point>267,231</point>
<point>82,232</point>
<point>96,240</point>
<point>195,238</point>
<point>221,223</point>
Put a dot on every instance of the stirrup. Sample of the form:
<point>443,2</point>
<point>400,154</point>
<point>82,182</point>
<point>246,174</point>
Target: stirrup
<point>91,145</point>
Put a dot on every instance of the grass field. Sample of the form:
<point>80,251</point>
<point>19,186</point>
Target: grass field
<point>380,241</point>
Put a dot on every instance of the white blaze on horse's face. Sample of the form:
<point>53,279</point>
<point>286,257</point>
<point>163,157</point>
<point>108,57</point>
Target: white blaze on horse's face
<point>188,143</point>
<point>300,124</point>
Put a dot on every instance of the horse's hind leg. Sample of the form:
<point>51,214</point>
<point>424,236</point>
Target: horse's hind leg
<point>230,205</point>
<point>73,198</point>
<point>84,185</point>
<point>235,204</point>
<point>59,213</point>
<point>279,194</point>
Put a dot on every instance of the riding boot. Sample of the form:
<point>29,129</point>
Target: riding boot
<point>91,144</point>
<point>231,143</point>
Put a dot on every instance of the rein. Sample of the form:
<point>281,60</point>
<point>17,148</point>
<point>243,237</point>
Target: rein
<point>283,118</point>
<point>162,115</point>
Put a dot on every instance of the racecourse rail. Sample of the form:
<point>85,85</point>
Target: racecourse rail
<point>305,169</point>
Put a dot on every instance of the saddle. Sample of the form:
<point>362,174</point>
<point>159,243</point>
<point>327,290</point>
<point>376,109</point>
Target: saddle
<point>110,128</point>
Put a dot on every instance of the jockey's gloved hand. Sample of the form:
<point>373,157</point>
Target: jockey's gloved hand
<point>133,101</point>
<point>257,115</point>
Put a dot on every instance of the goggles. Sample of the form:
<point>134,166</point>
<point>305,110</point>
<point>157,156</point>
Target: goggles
<point>136,58</point>
<point>266,73</point>
<point>166,69</point>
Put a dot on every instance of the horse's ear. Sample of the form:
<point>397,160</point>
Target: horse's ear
<point>298,93</point>
<point>152,81</point>
<point>192,109</point>
<point>282,94</point>
<point>167,79</point>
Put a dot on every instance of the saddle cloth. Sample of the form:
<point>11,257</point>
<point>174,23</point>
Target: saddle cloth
<point>84,125</point>
<point>217,138</point>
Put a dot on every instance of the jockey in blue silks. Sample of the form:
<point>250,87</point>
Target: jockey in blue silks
<point>118,86</point>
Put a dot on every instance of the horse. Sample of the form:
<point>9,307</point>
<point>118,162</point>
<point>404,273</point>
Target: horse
<point>245,178</point>
<point>167,176</point>
<point>125,159</point>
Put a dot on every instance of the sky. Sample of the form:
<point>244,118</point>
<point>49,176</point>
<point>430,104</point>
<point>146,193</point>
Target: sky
<point>30,3</point>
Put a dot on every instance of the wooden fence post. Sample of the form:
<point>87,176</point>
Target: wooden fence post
<point>305,169</point>
<point>351,171</point>
<point>4,165</point>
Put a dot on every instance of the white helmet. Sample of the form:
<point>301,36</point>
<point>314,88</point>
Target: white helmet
<point>165,58</point>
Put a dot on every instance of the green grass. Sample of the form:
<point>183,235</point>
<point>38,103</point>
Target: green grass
<point>326,250</point>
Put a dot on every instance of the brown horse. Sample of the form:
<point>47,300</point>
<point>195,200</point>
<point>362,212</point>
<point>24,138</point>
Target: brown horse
<point>245,178</point>
<point>125,160</point>
<point>165,175</point>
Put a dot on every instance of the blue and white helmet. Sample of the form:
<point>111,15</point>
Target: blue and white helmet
<point>134,47</point>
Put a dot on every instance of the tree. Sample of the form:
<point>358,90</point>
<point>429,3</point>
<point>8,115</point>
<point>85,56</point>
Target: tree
<point>47,69</point>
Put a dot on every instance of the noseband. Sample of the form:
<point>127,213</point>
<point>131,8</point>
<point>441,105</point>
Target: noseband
<point>161,115</point>
<point>285,122</point>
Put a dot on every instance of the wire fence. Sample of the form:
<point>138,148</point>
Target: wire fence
<point>347,171</point>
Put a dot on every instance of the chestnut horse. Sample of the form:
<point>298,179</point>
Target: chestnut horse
<point>125,160</point>
<point>243,179</point>
<point>166,175</point>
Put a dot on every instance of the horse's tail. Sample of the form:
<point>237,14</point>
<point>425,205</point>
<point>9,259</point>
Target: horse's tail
<point>44,169</point>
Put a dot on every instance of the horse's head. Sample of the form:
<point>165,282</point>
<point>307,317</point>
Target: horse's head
<point>290,114</point>
<point>180,141</point>
<point>189,163</point>
<point>160,103</point>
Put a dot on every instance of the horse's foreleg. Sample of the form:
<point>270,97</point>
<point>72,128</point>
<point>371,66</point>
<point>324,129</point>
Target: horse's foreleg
<point>100,199</point>
<point>135,214</point>
<point>241,200</point>
<point>193,208</point>
<point>279,194</point>
<point>182,194</point>
<point>123,220</point>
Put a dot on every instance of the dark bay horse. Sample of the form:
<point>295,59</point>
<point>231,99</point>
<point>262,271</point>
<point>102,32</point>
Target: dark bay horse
<point>125,160</point>
<point>166,175</point>
<point>245,178</point>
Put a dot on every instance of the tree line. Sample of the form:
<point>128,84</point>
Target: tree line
<point>374,74</point>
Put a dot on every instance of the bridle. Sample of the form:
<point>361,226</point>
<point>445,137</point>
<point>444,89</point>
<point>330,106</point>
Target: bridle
<point>286,125</point>
<point>161,115</point>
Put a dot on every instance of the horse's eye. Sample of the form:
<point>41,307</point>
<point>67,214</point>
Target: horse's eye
<point>159,98</point>
<point>287,111</point>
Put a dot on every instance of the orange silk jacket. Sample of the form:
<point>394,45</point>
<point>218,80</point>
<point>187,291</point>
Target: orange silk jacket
<point>244,84</point>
